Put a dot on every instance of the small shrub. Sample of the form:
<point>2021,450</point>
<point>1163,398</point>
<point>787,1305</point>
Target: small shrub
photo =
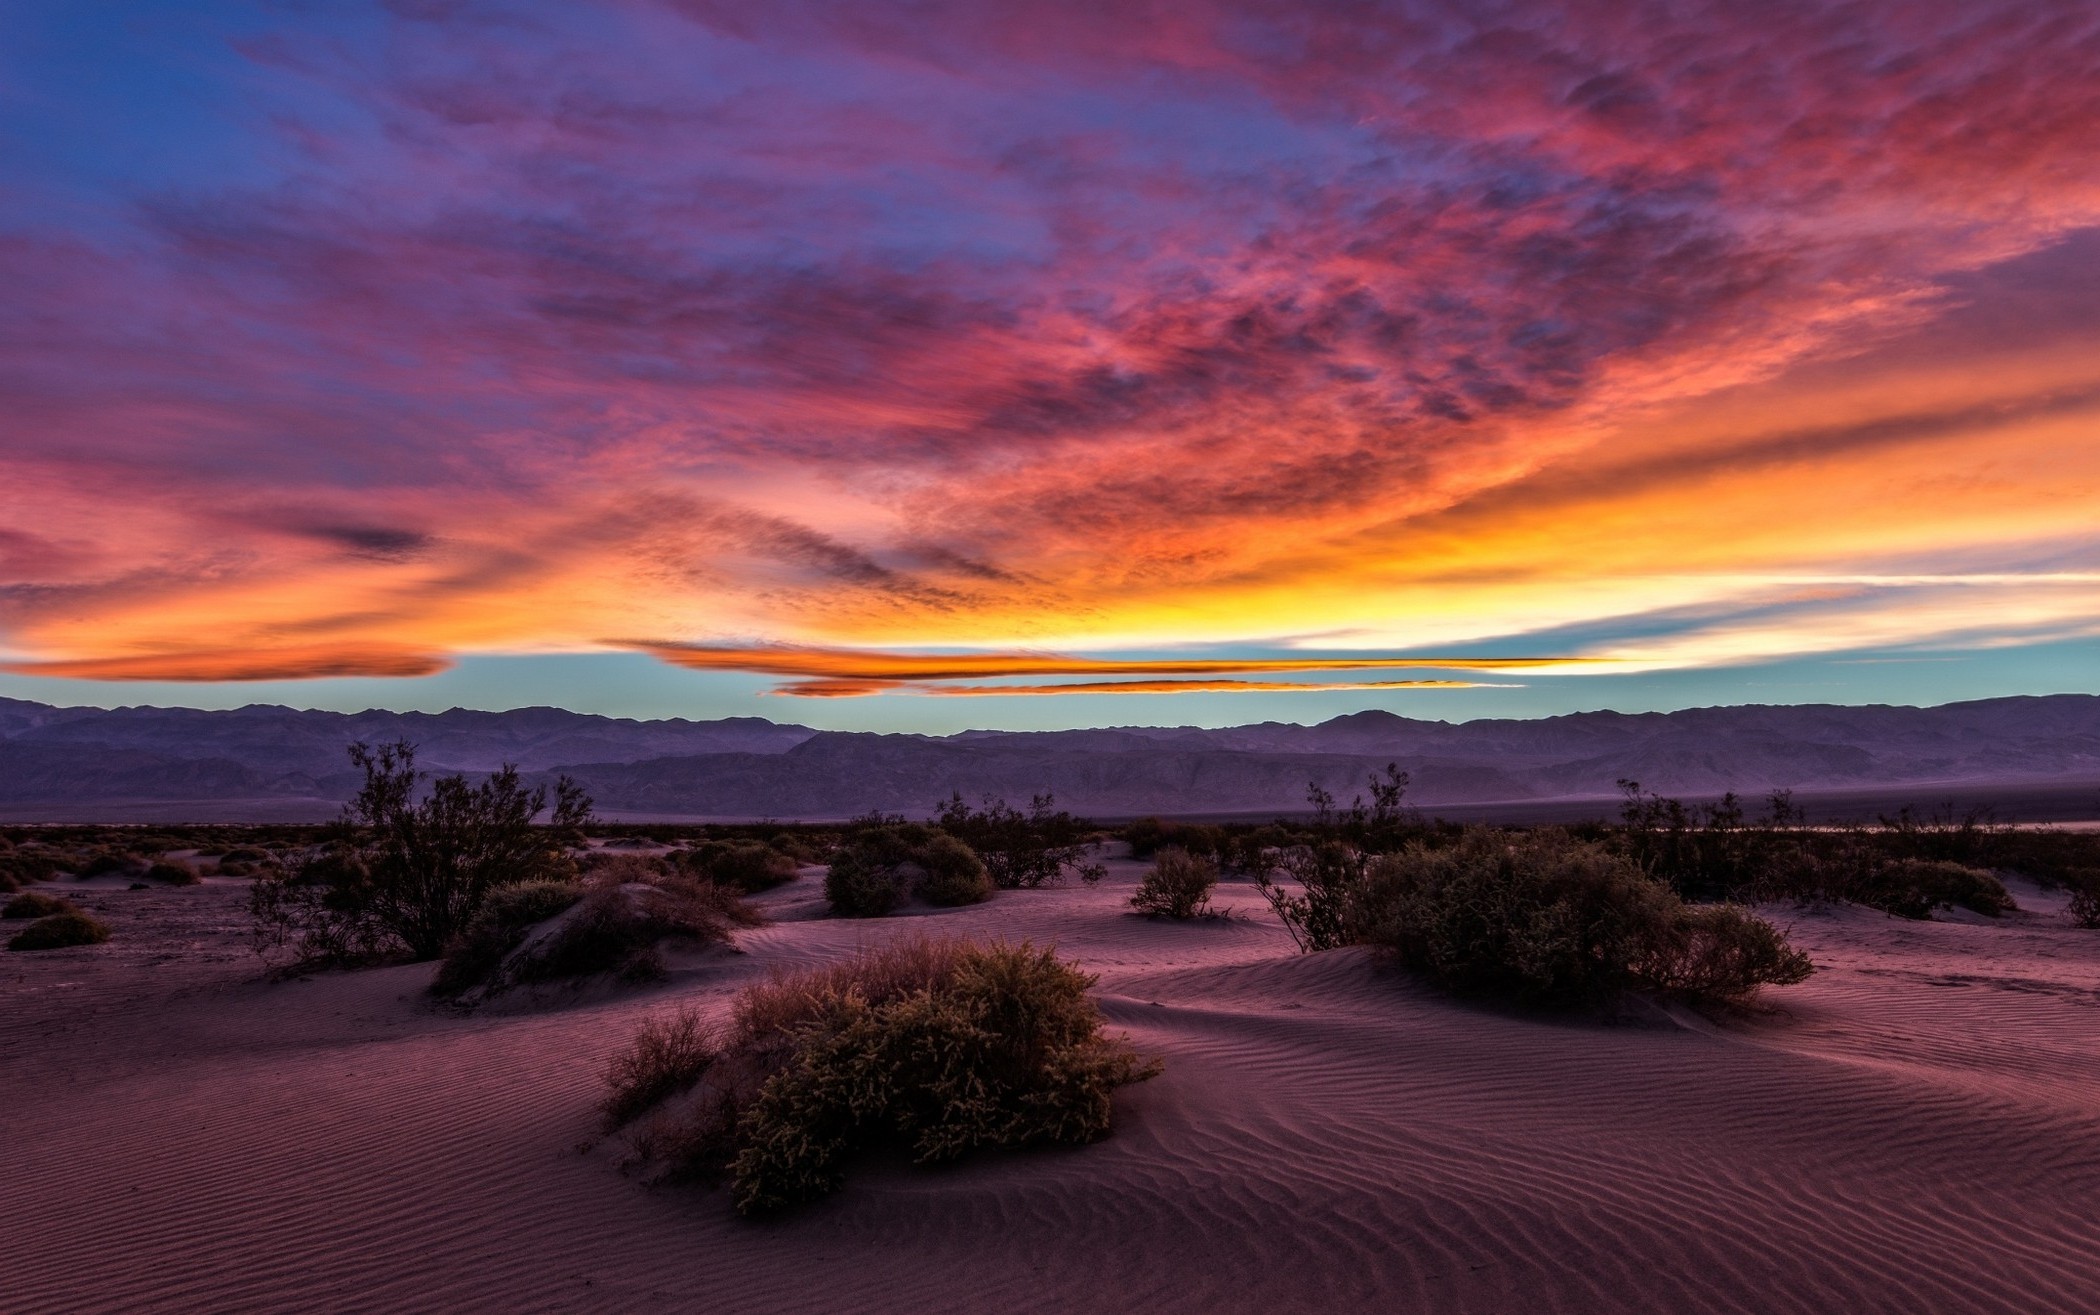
<point>954,874</point>
<point>1721,952</point>
<point>59,931</point>
<point>945,1047</point>
<point>112,863</point>
<point>1913,888</point>
<point>2085,897</point>
<point>667,1057</point>
<point>860,884</point>
<point>1328,874</point>
<point>745,864</point>
<point>173,874</point>
<point>615,929</point>
<point>35,904</point>
<point>1178,886</point>
<point>507,916</point>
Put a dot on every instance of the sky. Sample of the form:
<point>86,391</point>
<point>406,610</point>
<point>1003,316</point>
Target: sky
<point>913,366</point>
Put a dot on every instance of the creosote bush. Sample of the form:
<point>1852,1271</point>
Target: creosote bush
<point>405,875</point>
<point>507,916</point>
<point>35,904</point>
<point>59,931</point>
<point>942,1047</point>
<point>1540,918</point>
<point>1178,886</point>
<point>1021,851</point>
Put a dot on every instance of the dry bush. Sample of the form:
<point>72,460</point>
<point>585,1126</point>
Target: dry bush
<point>507,916</point>
<point>1541,918</point>
<point>1021,851</point>
<point>1178,886</point>
<point>60,930</point>
<point>615,929</point>
<point>1913,888</point>
<point>942,1046</point>
<point>667,1057</point>
<point>173,874</point>
<point>35,904</point>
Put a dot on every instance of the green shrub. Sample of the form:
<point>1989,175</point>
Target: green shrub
<point>1178,886</point>
<point>112,863</point>
<point>1319,913</point>
<point>954,873</point>
<point>944,1047</point>
<point>60,930</point>
<point>35,904</point>
<point>1541,918</point>
<point>747,865</point>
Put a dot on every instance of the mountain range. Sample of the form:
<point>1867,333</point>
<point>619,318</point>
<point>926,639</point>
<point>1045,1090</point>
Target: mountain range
<point>276,763</point>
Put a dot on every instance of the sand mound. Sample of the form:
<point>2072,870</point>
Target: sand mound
<point>1914,1131</point>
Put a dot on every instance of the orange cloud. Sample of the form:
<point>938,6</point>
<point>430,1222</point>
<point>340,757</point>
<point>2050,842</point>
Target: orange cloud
<point>873,667</point>
<point>841,689</point>
<point>240,664</point>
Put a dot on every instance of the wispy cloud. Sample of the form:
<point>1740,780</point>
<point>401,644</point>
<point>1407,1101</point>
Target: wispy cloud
<point>1104,327</point>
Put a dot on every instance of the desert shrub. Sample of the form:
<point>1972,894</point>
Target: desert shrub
<point>616,929</point>
<point>2085,905</point>
<point>244,854</point>
<point>25,867</point>
<point>882,866</point>
<point>1541,918</point>
<point>748,865</point>
<point>954,873</point>
<point>35,904</point>
<point>507,916</point>
<point>1720,952</point>
<point>1318,914</point>
<point>60,930</point>
<point>666,1057</point>
<point>1021,850</point>
<point>109,862</point>
<point>173,874</point>
<point>1178,885</point>
<point>1914,887</point>
<point>942,1047</point>
<point>408,875</point>
<point>796,847</point>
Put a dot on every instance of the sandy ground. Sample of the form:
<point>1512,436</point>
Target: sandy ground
<point>1915,1129</point>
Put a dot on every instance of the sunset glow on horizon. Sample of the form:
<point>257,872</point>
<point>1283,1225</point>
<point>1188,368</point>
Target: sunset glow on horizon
<point>1218,349</point>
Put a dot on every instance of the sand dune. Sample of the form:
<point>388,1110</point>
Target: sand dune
<point>1913,1130</point>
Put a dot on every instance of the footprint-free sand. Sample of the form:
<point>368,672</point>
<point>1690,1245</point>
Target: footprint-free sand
<point>1916,1128</point>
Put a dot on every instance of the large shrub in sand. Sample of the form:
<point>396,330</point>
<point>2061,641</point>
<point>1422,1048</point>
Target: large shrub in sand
<point>409,874</point>
<point>60,931</point>
<point>942,1047</point>
<point>1541,918</point>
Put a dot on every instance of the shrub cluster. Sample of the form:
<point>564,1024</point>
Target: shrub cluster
<point>1542,918</point>
<point>173,874</point>
<point>943,1047</point>
<point>1178,886</point>
<point>881,867</point>
<point>60,930</point>
<point>547,931</point>
<point>35,904</point>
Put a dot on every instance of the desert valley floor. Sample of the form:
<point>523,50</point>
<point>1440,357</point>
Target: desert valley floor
<point>1916,1128</point>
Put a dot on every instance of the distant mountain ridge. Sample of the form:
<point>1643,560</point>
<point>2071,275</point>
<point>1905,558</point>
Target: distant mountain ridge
<point>60,763</point>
